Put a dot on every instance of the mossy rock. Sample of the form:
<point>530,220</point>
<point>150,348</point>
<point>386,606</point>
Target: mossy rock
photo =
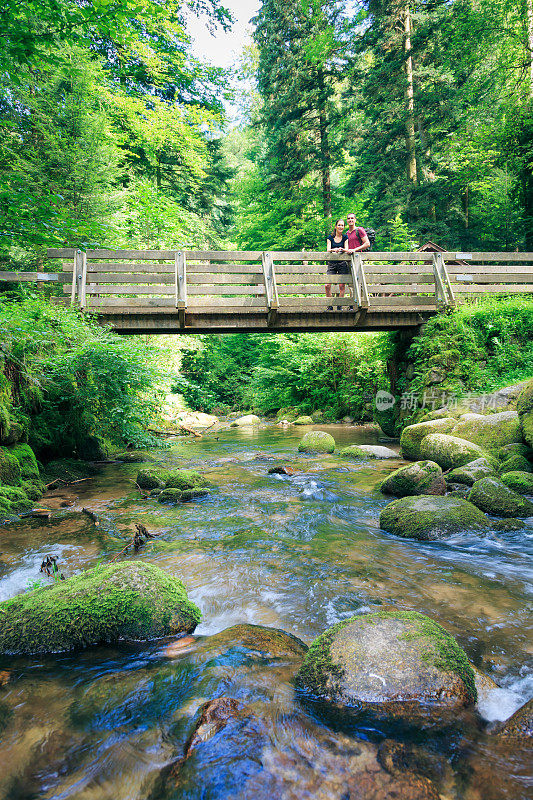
<point>515,463</point>
<point>93,448</point>
<point>398,664</point>
<point>193,494</point>
<point>520,725</point>
<point>317,442</point>
<point>169,496</point>
<point>514,450</point>
<point>303,421</point>
<point>461,493</point>
<point>29,469</point>
<point>489,431</point>
<point>33,490</point>
<point>15,498</point>
<point>184,479</point>
<point>268,642</point>
<point>68,470</point>
<point>422,477</point>
<point>367,451</point>
<point>10,472</point>
<point>472,472</point>
<point>151,479</point>
<point>449,452</point>
<point>412,435</point>
<point>509,524</point>
<point>249,420</point>
<point>494,497</point>
<point>429,518</point>
<point>524,408</point>
<point>129,600</point>
<point>438,413</point>
<point>521,482</point>
<point>388,419</point>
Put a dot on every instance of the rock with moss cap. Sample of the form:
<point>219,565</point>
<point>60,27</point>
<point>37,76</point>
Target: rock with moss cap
<point>317,442</point>
<point>520,725</point>
<point>15,499</point>
<point>395,664</point>
<point>413,435</point>
<point>514,450</point>
<point>303,420</point>
<point>151,479</point>
<point>430,518</point>
<point>364,452</point>
<point>267,642</point>
<point>422,477</point>
<point>515,463</point>
<point>524,407</point>
<point>521,482</point>
<point>29,469</point>
<point>494,497</point>
<point>185,479</point>
<point>472,472</point>
<point>490,431</point>
<point>129,600</point>
<point>508,524</point>
<point>449,451</point>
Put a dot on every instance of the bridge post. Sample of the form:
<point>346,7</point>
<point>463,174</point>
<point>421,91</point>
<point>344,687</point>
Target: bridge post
<point>443,287</point>
<point>79,279</point>
<point>359,280</point>
<point>271,289</point>
<point>180,285</point>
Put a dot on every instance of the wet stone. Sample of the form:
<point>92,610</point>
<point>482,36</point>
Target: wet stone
<point>520,725</point>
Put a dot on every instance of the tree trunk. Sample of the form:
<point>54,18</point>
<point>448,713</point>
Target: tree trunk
<point>410,139</point>
<point>529,7</point>
<point>325,155</point>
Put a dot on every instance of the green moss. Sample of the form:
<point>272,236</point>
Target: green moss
<point>422,477</point>
<point>169,496</point>
<point>524,407</point>
<point>514,449</point>
<point>472,472</point>
<point>132,600</point>
<point>9,467</point>
<point>450,451</point>
<point>412,435</point>
<point>428,518</point>
<point>15,498</point>
<point>151,478</point>
<point>318,670</point>
<point>490,431</point>
<point>494,497</point>
<point>29,468</point>
<point>521,482</point>
<point>68,469</point>
<point>33,490</point>
<point>317,442</point>
<point>303,421</point>
<point>185,479</point>
<point>515,463</point>
<point>193,494</point>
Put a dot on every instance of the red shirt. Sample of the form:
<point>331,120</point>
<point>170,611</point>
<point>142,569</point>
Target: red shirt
<point>355,238</point>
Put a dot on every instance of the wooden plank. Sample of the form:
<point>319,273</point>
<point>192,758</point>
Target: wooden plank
<point>132,255</point>
<point>314,302</point>
<point>15,276</point>
<point>133,302</point>
<point>500,256</point>
<point>106,288</point>
<point>497,288</point>
<point>224,269</point>
<point>134,268</point>
<point>223,255</point>
<point>210,278</point>
<point>490,269</point>
<point>387,255</point>
<point>68,252</point>
<point>400,288</point>
<point>497,277</point>
<point>226,290</point>
<point>227,302</point>
<point>404,302</point>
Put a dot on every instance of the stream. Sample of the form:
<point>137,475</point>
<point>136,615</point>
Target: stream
<point>299,553</point>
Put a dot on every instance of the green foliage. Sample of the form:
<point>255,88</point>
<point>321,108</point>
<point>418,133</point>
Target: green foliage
<point>337,374</point>
<point>74,378</point>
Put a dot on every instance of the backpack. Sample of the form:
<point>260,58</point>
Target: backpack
<point>371,233</point>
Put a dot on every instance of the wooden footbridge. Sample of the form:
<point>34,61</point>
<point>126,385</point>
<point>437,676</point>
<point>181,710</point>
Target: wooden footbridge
<point>159,291</point>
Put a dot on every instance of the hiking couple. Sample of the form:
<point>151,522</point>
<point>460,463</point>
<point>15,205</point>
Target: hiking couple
<point>354,240</point>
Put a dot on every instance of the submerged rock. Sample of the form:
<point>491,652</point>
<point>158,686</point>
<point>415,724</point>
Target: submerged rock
<point>240,750</point>
<point>130,600</point>
<point>449,451</point>
<point>243,422</point>
<point>317,442</point>
<point>429,518</point>
<point>413,435</point>
<point>521,482</point>
<point>150,479</point>
<point>489,430</point>
<point>472,472</point>
<point>508,524</point>
<point>524,407</point>
<point>267,642</point>
<point>494,497</point>
<point>303,420</point>
<point>281,470</point>
<point>367,451</point>
<point>395,664</point>
<point>422,477</point>
<point>520,725</point>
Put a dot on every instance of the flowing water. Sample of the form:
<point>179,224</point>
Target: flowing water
<point>294,552</point>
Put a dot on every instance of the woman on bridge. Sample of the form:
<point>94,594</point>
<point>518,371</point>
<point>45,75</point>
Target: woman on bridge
<point>337,242</point>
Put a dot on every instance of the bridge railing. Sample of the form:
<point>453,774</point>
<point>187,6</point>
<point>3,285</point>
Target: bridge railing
<point>118,282</point>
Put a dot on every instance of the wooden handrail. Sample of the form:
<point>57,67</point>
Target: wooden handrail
<point>271,289</point>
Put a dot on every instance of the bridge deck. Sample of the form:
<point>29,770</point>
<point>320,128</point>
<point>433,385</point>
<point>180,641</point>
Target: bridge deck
<point>153,291</point>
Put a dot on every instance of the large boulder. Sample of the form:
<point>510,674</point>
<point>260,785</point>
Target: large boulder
<point>472,472</point>
<point>250,420</point>
<point>422,477</point>
<point>524,407</point>
<point>514,450</point>
<point>494,497</point>
<point>520,725</point>
<point>242,750</point>
<point>515,463</point>
<point>449,451</point>
<point>92,448</point>
<point>29,468</point>
<point>394,663</point>
<point>304,420</point>
<point>490,431</point>
<point>413,435</point>
<point>521,482</point>
<point>185,479</point>
<point>429,518</point>
<point>317,442</point>
<point>10,472</point>
<point>367,451</point>
<point>129,600</point>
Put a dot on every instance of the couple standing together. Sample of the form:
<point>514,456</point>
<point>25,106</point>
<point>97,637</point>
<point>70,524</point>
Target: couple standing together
<point>353,241</point>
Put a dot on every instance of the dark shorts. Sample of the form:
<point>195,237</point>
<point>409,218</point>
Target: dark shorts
<point>338,268</point>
